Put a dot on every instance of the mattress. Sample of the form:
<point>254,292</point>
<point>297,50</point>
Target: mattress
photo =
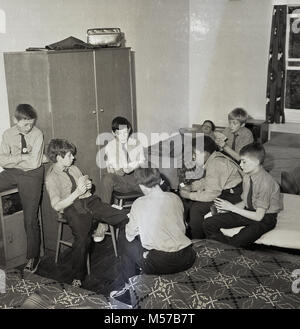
<point>286,234</point>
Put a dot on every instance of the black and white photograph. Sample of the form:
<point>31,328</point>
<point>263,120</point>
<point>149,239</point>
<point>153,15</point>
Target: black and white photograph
<point>149,157</point>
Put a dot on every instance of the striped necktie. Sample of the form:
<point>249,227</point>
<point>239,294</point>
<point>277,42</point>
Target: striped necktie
<point>24,149</point>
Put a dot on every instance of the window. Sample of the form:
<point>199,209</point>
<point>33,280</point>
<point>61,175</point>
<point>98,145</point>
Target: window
<point>292,51</point>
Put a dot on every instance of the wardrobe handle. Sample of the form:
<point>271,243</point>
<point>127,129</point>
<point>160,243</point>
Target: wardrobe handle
<point>101,110</point>
<point>94,112</point>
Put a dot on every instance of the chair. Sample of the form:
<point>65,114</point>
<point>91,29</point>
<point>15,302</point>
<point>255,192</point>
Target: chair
<point>124,200</point>
<point>61,222</point>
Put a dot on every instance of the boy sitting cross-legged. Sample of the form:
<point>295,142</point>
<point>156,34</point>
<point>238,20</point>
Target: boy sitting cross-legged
<point>69,192</point>
<point>154,238</point>
<point>259,208</point>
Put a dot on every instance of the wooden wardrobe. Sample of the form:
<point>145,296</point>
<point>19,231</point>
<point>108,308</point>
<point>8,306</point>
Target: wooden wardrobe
<point>76,94</point>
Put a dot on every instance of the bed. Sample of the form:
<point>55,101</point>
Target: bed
<point>222,277</point>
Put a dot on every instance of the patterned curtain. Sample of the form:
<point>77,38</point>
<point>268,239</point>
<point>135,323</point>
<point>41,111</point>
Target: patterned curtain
<point>276,69</point>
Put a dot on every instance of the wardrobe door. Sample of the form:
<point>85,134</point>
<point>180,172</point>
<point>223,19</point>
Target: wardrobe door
<point>73,105</point>
<point>27,82</point>
<point>114,86</point>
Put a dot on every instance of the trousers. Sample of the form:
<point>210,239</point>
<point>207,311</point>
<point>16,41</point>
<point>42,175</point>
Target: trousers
<point>29,184</point>
<point>252,230</point>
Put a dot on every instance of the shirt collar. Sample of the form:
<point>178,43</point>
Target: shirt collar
<point>58,169</point>
<point>258,173</point>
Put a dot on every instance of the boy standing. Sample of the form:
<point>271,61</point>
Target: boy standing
<point>21,155</point>
<point>259,208</point>
<point>123,155</point>
<point>236,134</point>
<point>222,179</point>
<point>154,239</point>
<point>69,192</point>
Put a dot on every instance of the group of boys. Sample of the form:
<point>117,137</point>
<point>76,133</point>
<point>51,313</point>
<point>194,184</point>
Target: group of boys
<point>154,238</point>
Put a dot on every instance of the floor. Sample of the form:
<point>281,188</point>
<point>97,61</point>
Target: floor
<point>105,268</point>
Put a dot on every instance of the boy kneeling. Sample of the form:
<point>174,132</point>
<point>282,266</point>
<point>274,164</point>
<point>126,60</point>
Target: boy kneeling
<point>69,192</point>
<point>259,208</point>
<point>154,239</point>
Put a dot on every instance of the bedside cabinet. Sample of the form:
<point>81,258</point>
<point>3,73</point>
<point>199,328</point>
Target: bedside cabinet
<point>13,242</point>
<point>259,130</point>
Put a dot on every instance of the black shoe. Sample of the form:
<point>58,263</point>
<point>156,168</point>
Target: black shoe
<point>32,265</point>
<point>122,296</point>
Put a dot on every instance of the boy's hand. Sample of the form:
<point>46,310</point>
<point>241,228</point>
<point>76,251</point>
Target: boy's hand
<point>220,142</point>
<point>119,172</point>
<point>185,194</point>
<point>85,180</point>
<point>83,183</point>
<point>223,205</point>
<point>186,188</point>
<point>81,188</point>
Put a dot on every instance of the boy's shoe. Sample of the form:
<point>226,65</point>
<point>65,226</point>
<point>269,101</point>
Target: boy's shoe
<point>122,296</point>
<point>76,283</point>
<point>32,265</point>
<point>99,234</point>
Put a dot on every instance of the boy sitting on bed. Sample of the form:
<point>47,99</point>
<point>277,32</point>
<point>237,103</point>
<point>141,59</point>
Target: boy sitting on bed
<point>154,239</point>
<point>259,208</point>
<point>222,179</point>
<point>236,135</point>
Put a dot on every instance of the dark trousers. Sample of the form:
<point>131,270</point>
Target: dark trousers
<point>112,182</point>
<point>198,209</point>
<point>252,231</point>
<point>157,262</point>
<point>29,184</point>
<point>82,216</point>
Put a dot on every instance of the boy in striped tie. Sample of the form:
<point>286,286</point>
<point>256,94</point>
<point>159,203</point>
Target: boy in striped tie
<point>261,203</point>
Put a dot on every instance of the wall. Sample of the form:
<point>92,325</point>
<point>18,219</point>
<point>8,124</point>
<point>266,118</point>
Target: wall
<point>229,43</point>
<point>156,30</point>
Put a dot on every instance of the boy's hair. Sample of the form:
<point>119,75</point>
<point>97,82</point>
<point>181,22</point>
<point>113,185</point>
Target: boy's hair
<point>25,112</point>
<point>148,177</point>
<point>255,150</point>
<point>59,147</point>
<point>238,114</point>
<point>209,144</point>
<point>213,127</point>
<point>120,121</point>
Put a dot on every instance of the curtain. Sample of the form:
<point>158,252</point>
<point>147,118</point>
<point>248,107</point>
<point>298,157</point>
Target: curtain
<point>276,68</point>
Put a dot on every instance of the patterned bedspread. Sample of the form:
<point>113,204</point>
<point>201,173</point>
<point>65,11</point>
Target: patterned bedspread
<point>223,277</point>
<point>40,292</point>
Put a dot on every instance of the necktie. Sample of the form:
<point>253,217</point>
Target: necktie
<point>125,153</point>
<point>249,196</point>
<point>234,140</point>
<point>74,185</point>
<point>24,149</point>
